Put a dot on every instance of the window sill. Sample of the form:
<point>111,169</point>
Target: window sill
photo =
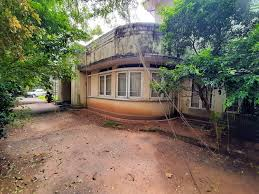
<point>137,99</point>
<point>195,108</point>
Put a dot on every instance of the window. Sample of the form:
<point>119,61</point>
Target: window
<point>89,85</point>
<point>108,84</point>
<point>155,78</point>
<point>122,84</point>
<point>135,84</point>
<point>105,85</point>
<point>129,84</point>
<point>196,102</point>
<point>102,85</point>
<point>209,97</point>
<point>195,97</point>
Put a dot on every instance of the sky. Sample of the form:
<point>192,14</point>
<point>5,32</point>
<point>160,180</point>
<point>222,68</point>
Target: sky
<point>138,14</point>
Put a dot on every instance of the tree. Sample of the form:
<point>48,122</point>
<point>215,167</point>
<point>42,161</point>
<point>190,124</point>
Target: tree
<point>197,24</point>
<point>241,63</point>
<point>197,31</point>
<point>38,41</point>
<point>38,38</point>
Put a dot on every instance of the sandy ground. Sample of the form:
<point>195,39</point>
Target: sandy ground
<point>71,152</point>
<point>29,100</point>
<point>35,105</point>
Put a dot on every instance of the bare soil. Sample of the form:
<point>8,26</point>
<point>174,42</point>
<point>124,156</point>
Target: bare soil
<point>71,152</point>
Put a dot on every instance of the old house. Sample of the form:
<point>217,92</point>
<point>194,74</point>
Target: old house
<point>116,72</point>
<point>117,69</point>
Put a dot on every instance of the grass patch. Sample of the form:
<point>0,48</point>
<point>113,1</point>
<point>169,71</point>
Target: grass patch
<point>42,98</point>
<point>111,123</point>
<point>55,98</point>
<point>19,118</point>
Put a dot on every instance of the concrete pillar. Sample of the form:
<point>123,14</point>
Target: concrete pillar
<point>78,89</point>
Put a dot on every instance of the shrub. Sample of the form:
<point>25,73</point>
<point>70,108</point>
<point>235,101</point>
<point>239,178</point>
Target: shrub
<point>8,91</point>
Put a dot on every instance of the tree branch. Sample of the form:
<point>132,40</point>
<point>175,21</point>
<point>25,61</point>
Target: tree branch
<point>193,46</point>
<point>204,98</point>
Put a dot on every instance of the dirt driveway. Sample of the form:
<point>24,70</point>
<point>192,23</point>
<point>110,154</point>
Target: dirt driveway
<point>71,152</point>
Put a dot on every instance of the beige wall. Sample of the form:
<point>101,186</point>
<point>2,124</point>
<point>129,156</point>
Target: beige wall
<point>78,89</point>
<point>185,101</point>
<point>125,40</point>
<point>146,90</point>
<point>65,90</point>
<point>137,108</point>
<point>130,109</point>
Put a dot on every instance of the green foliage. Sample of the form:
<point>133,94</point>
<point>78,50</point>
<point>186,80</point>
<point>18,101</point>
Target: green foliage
<point>111,123</point>
<point>241,68</point>
<point>218,49</point>
<point>38,41</point>
<point>6,103</point>
<point>203,69</point>
<point>38,38</point>
<point>191,25</point>
<point>19,118</point>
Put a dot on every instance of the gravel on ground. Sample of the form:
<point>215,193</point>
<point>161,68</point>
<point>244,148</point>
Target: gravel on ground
<point>72,152</point>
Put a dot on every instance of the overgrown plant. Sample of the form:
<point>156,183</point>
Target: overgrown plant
<point>6,103</point>
<point>39,41</point>
<point>218,44</point>
<point>19,118</point>
<point>215,119</point>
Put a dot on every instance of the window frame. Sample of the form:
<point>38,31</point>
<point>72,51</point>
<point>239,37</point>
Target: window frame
<point>141,85</point>
<point>105,83</point>
<point>89,86</point>
<point>117,84</point>
<point>200,101</point>
<point>128,75</point>
<point>162,95</point>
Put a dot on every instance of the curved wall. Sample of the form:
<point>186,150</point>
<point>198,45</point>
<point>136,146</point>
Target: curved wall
<point>130,109</point>
<point>122,46</point>
<point>125,40</point>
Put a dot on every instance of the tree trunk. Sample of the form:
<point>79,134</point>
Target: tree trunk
<point>203,94</point>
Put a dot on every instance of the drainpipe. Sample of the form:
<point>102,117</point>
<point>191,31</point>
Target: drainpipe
<point>86,79</point>
<point>86,87</point>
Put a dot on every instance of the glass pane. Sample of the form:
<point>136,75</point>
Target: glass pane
<point>101,85</point>
<point>155,78</point>
<point>108,84</point>
<point>195,97</point>
<point>122,81</point>
<point>209,96</point>
<point>89,86</point>
<point>135,84</point>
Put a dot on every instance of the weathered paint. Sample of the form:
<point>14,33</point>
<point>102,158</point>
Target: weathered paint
<point>65,90</point>
<point>185,101</point>
<point>146,81</point>
<point>121,46</point>
<point>78,89</point>
<point>142,107</point>
<point>130,109</point>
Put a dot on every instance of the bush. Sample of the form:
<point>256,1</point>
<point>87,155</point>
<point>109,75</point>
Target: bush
<point>6,103</point>
<point>19,118</point>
